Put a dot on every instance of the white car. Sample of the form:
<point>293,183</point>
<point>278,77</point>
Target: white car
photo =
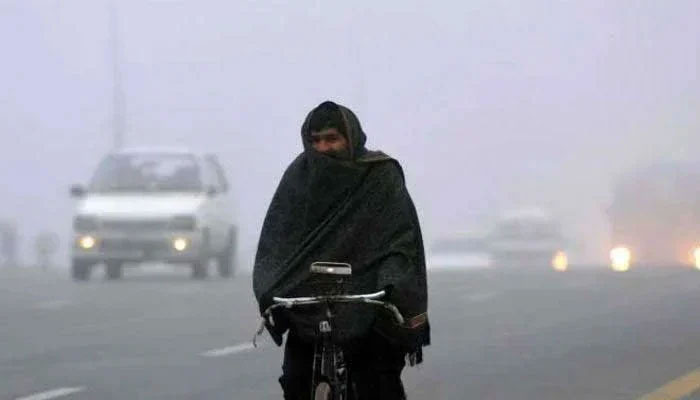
<point>528,238</point>
<point>154,205</point>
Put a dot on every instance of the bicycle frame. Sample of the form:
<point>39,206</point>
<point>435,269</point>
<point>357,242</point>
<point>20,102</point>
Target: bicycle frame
<point>329,361</point>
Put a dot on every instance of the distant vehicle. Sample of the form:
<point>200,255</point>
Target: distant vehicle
<point>459,251</point>
<point>528,237</point>
<point>655,216</point>
<point>154,205</point>
<point>9,242</point>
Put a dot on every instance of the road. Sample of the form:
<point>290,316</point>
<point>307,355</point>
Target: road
<point>590,334</point>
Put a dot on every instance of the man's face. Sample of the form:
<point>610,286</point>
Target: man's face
<point>329,141</point>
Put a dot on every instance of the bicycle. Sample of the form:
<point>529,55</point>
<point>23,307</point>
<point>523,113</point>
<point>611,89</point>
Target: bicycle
<point>329,372</point>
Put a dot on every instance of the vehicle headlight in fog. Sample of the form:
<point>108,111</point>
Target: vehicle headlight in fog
<point>180,244</point>
<point>87,242</point>
<point>560,262</point>
<point>696,257</point>
<point>620,258</point>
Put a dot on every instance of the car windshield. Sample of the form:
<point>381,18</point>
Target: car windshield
<point>147,173</point>
<point>527,230</point>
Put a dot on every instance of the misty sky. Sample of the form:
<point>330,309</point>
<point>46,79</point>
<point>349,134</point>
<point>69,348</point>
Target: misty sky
<point>487,104</point>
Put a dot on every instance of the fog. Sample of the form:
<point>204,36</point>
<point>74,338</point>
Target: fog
<point>583,110</point>
<point>488,105</point>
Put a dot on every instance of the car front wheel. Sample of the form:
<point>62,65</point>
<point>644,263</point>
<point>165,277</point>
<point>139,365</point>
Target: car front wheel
<point>199,267</point>
<point>114,270</point>
<point>226,260</point>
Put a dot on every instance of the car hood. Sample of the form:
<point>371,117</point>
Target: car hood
<point>140,206</point>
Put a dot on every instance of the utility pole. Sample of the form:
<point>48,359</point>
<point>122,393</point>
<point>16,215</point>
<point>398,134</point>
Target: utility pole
<point>118,100</point>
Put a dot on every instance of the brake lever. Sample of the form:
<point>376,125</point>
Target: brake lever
<point>265,319</point>
<point>259,332</point>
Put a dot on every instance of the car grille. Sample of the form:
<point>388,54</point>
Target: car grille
<point>134,226</point>
<point>143,245</point>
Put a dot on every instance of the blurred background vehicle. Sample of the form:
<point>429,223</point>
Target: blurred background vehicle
<point>463,250</point>
<point>8,244</point>
<point>528,237</point>
<point>45,247</point>
<point>655,216</point>
<point>154,204</point>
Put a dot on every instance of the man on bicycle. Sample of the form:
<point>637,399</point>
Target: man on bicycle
<point>339,202</point>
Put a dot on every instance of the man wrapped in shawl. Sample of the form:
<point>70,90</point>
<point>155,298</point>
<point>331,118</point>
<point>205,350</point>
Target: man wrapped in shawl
<point>339,202</point>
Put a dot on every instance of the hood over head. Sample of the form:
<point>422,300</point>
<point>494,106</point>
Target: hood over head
<point>340,117</point>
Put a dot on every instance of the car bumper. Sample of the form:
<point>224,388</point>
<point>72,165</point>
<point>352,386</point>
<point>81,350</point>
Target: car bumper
<point>138,247</point>
<point>459,261</point>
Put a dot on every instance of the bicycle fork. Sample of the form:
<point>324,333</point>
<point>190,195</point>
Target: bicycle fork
<point>329,362</point>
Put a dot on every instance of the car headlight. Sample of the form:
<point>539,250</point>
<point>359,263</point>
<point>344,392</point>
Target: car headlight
<point>696,257</point>
<point>560,262</point>
<point>183,223</point>
<point>87,242</point>
<point>620,258</point>
<point>180,244</point>
<point>85,223</point>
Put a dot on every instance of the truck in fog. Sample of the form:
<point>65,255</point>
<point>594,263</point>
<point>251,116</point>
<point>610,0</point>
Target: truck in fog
<point>154,205</point>
<point>655,216</point>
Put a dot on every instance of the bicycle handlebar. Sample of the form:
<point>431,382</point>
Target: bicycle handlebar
<point>290,302</point>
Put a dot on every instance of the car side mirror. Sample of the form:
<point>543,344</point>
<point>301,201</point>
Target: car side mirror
<point>77,191</point>
<point>331,268</point>
<point>212,190</point>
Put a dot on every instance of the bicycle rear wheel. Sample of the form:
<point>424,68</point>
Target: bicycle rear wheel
<point>323,391</point>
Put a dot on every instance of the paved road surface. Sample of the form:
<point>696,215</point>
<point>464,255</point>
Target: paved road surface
<point>497,335</point>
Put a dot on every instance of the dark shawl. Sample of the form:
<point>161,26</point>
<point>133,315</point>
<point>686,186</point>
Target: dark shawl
<point>356,211</point>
